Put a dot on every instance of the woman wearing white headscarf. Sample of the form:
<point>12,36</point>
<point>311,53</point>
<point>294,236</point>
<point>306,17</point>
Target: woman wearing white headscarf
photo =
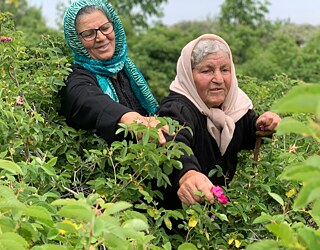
<point>205,96</point>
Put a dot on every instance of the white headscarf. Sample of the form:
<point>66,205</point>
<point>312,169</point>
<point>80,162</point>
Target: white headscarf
<point>220,122</point>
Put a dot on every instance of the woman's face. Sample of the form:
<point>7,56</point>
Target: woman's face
<point>103,46</point>
<point>212,78</point>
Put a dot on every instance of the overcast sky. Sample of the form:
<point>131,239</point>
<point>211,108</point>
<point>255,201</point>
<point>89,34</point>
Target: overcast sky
<point>296,11</point>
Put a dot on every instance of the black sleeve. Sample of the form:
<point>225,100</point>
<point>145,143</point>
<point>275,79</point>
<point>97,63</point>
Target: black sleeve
<point>85,106</point>
<point>248,129</point>
<point>181,113</point>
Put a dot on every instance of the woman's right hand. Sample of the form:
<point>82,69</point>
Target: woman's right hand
<point>148,121</point>
<point>191,182</point>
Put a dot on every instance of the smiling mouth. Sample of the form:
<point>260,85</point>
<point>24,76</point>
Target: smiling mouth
<point>103,46</point>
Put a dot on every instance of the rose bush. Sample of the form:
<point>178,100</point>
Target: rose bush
<point>67,189</point>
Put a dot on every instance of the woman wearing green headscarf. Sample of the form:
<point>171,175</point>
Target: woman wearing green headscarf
<point>105,87</point>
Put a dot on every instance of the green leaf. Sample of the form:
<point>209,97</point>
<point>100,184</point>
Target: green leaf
<point>63,202</point>
<point>315,212</point>
<point>277,198</point>
<point>263,218</point>
<point>6,224</point>
<point>290,125</point>
<point>187,246</point>
<point>222,217</point>
<point>66,227</point>
<point>14,237</point>
<point>300,99</point>
<point>49,247</point>
<point>40,213</point>
<point>11,167</point>
<point>113,208</point>
<point>310,238</point>
<point>8,200</point>
<point>263,245</point>
<point>98,226</point>
<point>10,244</point>
<point>309,193</point>
<point>77,211</point>
<point>282,230</point>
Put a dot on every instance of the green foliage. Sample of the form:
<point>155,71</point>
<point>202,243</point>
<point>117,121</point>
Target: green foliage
<point>156,53</point>
<point>292,234</point>
<point>67,189</point>
<point>250,13</point>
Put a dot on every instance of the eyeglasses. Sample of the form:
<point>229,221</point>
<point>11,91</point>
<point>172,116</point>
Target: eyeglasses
<point>91,34</point>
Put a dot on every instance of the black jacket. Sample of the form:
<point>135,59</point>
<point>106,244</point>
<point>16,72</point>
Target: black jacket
<point>85,106</point>
<point>206,152</point>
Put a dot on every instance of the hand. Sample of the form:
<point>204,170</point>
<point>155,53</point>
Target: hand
<point>268,121</point>
<point>193,181</point>
<point>150,122</point>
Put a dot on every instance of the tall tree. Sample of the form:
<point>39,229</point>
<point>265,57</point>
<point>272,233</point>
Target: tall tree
<point>28,19</point>
<point>243,13</point>
<point>135,12</point>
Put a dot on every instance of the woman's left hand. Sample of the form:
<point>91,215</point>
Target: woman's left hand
<point>268,121</point>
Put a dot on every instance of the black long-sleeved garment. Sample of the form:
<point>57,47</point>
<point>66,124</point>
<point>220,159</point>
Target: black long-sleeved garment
<point>206,154</point>
<point>85,106</point>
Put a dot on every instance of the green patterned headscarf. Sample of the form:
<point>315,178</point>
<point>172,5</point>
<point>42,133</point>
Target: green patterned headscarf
<point>120,60</point>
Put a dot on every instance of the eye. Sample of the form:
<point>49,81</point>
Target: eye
<point>106,27</point>
<point>88,33</point>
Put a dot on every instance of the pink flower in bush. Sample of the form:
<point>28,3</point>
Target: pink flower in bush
<point>19,100</point>
<point>5,39</point>
<point>218,192</point>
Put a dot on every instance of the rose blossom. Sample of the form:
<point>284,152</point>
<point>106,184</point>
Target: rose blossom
<point>19,100</point>
<point>218,192</point>
<point>5,39</point>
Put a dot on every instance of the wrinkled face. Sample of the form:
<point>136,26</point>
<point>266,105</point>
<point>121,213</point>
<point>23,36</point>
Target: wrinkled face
<point>212,78</point>
<point>103,46</point>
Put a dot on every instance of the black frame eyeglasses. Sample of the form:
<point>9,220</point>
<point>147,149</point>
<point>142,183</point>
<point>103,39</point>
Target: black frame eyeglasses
<point>91,34</point>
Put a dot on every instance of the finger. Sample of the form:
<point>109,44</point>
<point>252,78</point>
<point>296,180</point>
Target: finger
<point>186,198</point>
<point>166,129</point>
<point>162,139</point>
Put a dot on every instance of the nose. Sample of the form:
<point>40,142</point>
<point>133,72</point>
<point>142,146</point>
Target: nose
<point>100,35</point>
<point>217,77</point>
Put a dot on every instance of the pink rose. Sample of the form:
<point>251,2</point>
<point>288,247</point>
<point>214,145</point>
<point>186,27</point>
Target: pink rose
<point>218,192</point>
<point>19,100</point>
<point>5,39</point>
